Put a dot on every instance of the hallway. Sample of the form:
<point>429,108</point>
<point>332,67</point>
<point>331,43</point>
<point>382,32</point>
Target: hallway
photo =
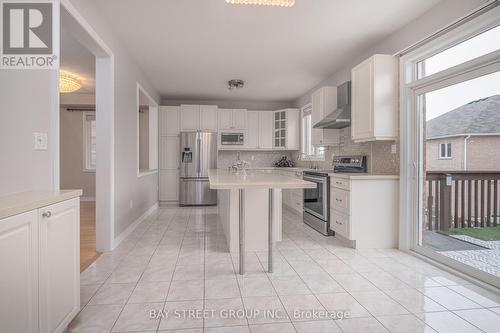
<point>176,260</point>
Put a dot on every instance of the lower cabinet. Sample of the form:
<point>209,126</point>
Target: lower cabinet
<point>19,273</point>
<point>59,266</point>
<point>40,269</point>
<point>361,215</point>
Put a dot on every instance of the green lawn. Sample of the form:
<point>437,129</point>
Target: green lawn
<point>486,234</point>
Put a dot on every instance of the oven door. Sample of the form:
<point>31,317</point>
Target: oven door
<point>316,200</point>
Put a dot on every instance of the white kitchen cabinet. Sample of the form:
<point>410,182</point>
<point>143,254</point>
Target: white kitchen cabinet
<point>169,120</point>
<point>293,129</point>
<point>169,185</point>
<point>286,134</point>
<point>169,153</point>
<point>266,129</point>
<point>208,118</point>
<point>360,215</point>
<point>225,119</point>
<point>190,117</point>
<point>375,99</point>
<point>19,273</point>
<point>253,135</point>
<point>59,244</point>
<point>40,263</point>
<point>293,198</point>
<point>232,119</point>
<point>260,130</point>
<point>240,118</point>
<point>324,101</point>
<point>198,117</point>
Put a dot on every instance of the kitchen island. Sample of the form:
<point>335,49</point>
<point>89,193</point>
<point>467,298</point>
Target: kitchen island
<point>250,208</point>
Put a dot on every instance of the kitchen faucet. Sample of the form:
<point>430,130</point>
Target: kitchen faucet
<point>238,164</point>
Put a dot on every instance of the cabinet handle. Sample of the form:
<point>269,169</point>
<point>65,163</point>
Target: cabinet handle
<point>47,214</point>
<point>338,183</point>
<point>338,200</point>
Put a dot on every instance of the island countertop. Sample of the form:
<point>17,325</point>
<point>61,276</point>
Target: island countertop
<point>221,179</point>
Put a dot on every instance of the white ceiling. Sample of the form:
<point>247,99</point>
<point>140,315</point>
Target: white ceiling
<point>77,59</point>
<point>189,49</point>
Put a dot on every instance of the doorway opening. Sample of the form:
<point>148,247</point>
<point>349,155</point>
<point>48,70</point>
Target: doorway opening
<point>90,111</point>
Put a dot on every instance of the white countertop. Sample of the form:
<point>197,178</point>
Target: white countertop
<point>363,176</point>
<point>22,202</point>
<point>221,179</point>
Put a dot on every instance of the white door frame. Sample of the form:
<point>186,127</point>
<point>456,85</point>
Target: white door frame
<point>74,22</point>
<point>411,131</point>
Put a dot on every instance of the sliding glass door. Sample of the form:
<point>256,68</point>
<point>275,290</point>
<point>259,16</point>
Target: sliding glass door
<point>452,98</point>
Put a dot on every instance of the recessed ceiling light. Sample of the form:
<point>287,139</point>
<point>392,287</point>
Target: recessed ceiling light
<point>281,3</point>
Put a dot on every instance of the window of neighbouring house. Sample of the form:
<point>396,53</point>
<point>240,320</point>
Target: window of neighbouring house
<point>308,150</point>
<point>445,150</point>
<point>89,140</point>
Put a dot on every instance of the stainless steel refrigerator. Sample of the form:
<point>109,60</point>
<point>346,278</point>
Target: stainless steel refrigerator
<point>198,155</point>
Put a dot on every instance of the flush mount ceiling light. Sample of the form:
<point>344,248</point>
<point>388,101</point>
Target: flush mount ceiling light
<point>281,3</point>
<point>69,82</point>
<point>235,84</point>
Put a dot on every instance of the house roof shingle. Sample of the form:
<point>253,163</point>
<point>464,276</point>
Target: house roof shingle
<point>481,116</point>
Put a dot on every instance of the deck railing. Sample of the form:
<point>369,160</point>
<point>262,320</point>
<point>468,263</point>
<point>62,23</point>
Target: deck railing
<point>462,199</point>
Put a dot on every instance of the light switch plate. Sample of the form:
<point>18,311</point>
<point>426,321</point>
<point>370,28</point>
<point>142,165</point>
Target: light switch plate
<point>40,141</point>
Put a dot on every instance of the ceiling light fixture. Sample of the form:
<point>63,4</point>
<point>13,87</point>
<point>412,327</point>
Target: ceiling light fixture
<point>69,82</point>
<point>235,84</point>
<point>281,3</point>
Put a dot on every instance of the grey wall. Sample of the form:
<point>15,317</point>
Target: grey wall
<point>438,17</point>
<point>26,103</point>
<point>25,107</point>
<point>380,157</point>
<point>72,156</point>
<point>142,191</point>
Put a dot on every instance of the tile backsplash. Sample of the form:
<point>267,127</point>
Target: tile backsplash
<point>381,159</point>
<point>260,159</point>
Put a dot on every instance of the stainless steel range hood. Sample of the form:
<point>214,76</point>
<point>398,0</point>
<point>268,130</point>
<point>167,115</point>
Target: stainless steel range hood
<point>341,116</point>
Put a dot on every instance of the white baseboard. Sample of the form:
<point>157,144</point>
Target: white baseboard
<point>87,199</point>
<point>134,225</point>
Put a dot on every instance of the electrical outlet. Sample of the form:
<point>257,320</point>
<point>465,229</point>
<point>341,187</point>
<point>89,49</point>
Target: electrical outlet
<point>131,204</point>
<point>40,141</point>
<point>394,149</point>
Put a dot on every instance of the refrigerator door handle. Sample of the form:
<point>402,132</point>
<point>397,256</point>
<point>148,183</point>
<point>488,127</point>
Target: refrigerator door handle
<point>198,143</point>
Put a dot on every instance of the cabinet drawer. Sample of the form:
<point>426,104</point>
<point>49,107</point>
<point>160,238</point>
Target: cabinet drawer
<point>341,183</point>
<point>340,200</point>
<point>339,222</point>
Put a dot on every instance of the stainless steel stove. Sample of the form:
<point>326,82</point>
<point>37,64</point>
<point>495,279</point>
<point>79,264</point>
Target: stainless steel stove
<point>350,164</point>
<point>317,200</point>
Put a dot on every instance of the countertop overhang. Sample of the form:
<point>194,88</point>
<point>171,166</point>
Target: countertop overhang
<point>221,179</point>
<point>22,202</point>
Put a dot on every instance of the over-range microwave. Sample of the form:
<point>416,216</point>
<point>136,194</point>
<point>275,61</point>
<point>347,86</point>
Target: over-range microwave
<point>232,138</point>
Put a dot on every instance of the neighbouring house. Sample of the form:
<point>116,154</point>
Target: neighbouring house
<point>466,138</point>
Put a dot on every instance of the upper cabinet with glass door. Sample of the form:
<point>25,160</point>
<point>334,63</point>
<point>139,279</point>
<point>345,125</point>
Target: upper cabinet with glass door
<point>375,99</point>
<point>286,130</point>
